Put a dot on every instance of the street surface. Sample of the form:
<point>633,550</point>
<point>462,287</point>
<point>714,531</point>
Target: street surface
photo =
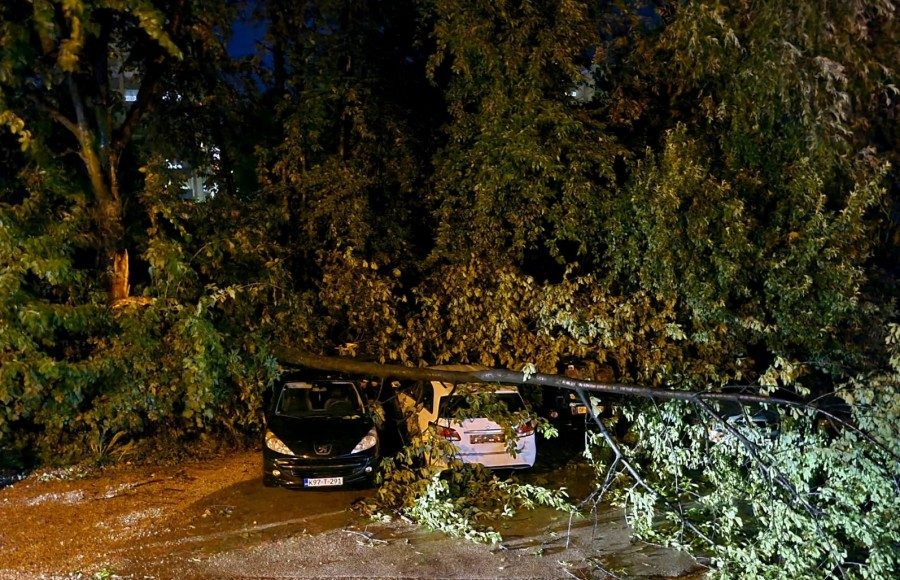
<point>214,519</point>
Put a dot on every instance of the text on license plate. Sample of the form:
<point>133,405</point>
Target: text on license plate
<point>489,438</point>
<point>322,481</point>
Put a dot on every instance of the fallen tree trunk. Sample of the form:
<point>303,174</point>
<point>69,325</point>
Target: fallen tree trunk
<point>352,366</point>
<point>699,398</point>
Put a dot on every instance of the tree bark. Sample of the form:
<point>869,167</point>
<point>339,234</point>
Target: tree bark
<point>101,163</point>
<point>119,288</point>
<point>352,366</point>
<point>109,218</point>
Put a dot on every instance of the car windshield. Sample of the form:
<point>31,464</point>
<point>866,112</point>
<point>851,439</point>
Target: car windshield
<point>319,400</point>
<point>452,403</point>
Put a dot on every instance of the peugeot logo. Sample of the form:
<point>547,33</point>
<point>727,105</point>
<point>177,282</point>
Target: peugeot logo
<point>323,449</point>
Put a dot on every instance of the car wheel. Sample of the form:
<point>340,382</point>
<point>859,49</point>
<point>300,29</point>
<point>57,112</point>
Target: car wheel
<point>269,481</point>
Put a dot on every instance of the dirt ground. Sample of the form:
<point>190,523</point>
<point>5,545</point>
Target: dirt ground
<point>214,519</point>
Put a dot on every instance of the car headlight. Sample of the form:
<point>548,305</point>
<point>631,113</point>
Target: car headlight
<point>276,444</point>
<point>366,442</point>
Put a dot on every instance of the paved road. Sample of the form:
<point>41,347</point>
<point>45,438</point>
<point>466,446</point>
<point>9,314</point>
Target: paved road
<point>214,519</point>
<point>247,530</point>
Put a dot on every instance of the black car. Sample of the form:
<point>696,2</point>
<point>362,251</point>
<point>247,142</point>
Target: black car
<point>563,408</point>
<point>319,434</point>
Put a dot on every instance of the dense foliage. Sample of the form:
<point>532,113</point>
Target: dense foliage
<point>687,195</point>
<point>807,502</point>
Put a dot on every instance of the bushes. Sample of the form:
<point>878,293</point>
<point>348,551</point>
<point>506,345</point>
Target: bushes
<point>159,370</point>
<point>79,378</point>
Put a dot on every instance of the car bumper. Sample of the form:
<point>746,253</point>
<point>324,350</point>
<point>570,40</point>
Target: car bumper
<point>294,471</point>
<point>496,457</point>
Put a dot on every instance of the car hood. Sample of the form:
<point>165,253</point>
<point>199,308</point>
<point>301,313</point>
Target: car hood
<point>320,437</point>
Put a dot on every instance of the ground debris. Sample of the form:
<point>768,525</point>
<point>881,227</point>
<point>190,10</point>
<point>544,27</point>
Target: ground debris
<point>369,537</point>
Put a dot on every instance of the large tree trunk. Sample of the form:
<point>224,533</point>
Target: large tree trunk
<point>109,216</point>
<point>119,288</point>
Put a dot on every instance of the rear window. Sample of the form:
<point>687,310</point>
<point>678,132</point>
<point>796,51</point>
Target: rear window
<point>452,403</point>
<point>318,400</point>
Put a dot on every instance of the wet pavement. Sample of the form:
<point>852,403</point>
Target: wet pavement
<point>215,519</point>
<point>251,531</point>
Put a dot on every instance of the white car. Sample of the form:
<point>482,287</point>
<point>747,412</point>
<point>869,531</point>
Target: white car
<point>430,408</point>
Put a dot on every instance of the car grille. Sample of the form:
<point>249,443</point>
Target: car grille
<point>311,468</point>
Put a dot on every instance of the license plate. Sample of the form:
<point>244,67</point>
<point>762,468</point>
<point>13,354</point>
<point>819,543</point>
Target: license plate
<point>322,481</point>
<point>491,438</point>
<point>579,410</point>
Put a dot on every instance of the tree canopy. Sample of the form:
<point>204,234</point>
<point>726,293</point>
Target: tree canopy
<point>687,196</point>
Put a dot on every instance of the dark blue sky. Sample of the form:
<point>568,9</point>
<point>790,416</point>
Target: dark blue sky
<point>246,35</point>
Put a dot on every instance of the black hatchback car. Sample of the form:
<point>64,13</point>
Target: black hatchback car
<point>318,434</point>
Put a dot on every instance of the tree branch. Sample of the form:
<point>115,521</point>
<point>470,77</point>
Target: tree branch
<point>59,117</point>
<point>82,135</point>
<point>77,103</point>
<point>149,84</point>
<point>771,472</point>
<point>353,366</point>
<point>140,107</point>
<point>302,358</point>
<point>620,457</point>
